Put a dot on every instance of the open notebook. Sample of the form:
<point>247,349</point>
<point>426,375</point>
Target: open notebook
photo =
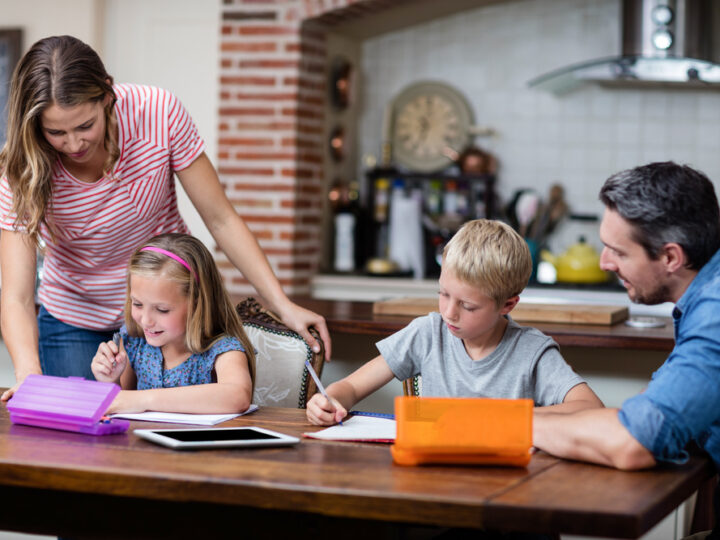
<point>366,427</point>
<point>180,418</point>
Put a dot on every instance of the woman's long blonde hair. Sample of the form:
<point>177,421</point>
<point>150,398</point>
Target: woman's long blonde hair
<point>211,315</point>
<point>62,71</point>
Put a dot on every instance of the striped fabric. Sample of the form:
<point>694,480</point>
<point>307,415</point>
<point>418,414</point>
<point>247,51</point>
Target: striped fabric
<point>100,224</point>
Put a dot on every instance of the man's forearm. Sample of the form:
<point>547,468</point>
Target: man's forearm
<point>594,435</point>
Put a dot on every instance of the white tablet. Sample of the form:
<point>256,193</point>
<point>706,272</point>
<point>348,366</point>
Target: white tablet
<point>196,438</point>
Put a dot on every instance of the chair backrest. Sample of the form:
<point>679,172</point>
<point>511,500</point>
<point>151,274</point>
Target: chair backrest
<point>413,386</point>
<point>281,378</point>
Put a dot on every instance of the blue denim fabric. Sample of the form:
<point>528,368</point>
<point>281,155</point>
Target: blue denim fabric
<point>67,350</point>
<point>682,401</point>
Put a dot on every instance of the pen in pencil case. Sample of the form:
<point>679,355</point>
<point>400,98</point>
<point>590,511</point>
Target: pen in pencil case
<point>317,382</point>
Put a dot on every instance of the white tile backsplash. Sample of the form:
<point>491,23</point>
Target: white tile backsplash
<point>491,52</point>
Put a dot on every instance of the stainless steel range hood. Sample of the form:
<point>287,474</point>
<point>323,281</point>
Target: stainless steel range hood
<point>665,43</point>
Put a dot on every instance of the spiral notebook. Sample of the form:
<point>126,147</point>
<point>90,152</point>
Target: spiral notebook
<point>360,426</point>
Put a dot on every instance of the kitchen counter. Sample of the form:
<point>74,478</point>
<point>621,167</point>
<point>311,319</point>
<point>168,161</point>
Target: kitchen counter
<point>357,317</point>
<point>371,289</point>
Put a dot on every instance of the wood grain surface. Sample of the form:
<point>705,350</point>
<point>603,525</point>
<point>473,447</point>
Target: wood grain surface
<point>523,312</point>
<point>54,482</point>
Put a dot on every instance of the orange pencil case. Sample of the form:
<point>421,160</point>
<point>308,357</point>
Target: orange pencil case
<point>477,431</point>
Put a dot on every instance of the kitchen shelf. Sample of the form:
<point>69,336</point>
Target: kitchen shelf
<point>474,196</point>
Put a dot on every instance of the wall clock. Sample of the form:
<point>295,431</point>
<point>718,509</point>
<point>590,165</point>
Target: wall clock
<point>429,122</point>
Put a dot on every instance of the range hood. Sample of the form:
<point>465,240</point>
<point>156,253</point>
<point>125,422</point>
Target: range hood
<point>665,43</point>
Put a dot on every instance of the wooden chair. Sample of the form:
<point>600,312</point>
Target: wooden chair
<point>281,378</point>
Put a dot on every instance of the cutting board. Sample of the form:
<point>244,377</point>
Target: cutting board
<point>523,312</point>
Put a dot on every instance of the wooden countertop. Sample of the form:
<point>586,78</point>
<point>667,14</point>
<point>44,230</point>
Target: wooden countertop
<point>353,317</point>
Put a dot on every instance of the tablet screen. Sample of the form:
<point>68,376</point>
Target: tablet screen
<point>217,437</point>
<point>234,434</point>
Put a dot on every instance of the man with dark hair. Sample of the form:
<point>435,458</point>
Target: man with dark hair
<point>661,231</point>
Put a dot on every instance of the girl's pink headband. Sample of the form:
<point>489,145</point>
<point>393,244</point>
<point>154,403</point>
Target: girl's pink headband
<point>172,256</point>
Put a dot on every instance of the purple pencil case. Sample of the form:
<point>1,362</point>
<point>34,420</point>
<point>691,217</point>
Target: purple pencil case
<point>67,403</point>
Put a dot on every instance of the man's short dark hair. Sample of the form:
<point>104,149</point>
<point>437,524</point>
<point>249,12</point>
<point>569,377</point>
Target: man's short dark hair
<point>667,202</point>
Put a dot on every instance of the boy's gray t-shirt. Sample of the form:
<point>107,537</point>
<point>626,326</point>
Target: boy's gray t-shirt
<point>525,364</point>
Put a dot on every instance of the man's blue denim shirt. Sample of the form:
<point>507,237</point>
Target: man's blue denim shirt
<point>682,401</point>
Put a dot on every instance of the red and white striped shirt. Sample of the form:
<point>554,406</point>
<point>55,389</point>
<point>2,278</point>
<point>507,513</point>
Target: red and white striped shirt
<point>99,225</point>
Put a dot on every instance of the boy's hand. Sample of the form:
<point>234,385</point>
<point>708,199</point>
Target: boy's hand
<point>109,362</point>
<point>323,412</point>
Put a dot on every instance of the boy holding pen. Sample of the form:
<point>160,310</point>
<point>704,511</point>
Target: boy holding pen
<point>470,347</point>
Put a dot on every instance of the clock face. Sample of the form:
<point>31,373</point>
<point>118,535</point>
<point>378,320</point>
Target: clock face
<point>430,121</point>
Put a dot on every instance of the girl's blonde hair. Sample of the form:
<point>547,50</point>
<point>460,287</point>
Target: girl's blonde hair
<point>62,71</point>
<point>491,256</point>
<point>211,315</point>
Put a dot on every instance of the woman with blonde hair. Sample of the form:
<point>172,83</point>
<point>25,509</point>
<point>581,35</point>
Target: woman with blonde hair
<point>87,170</point>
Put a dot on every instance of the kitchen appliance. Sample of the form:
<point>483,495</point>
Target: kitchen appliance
<point>664,43</point>
<point>579,264</point>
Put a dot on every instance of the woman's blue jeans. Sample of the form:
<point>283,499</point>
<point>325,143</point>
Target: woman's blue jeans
<point>66,350</point>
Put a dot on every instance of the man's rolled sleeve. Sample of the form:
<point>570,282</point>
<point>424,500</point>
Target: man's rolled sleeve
<point>650,427</point>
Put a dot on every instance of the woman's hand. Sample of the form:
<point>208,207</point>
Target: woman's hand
<point>323,412</point>
<point>300,319</point>
<point>109,362</point>
<point>19,378</point>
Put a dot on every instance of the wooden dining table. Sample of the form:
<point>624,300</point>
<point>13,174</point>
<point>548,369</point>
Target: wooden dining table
<point>121,486</point>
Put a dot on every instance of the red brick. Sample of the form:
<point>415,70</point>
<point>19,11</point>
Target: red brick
<point>246,141</point>
<point>246,111</point>
<point>295,236</point>
<point>297,173</point>
<point>302,143</point>
<point>307,84</point>
<point>268,219</point>
<point>310,190</point>
<point>297,204</point>
<point>269,155</point>
<point>272,126</point>
<point>310,220</point>
<point>269,64</point>
<point>302,113</point>
<point>247,81</point>
<point>312,100</point>
<point>266,31</point>
<point>295,266</point>
<point>277,251</point>
<point>251,203</point>
<point>264,185</point>
<point>246,171</point>
<point>286,96</point>
<point>309,129</point>
<point>263,234</point>
<point>249,46</point>
<point>308,157</point>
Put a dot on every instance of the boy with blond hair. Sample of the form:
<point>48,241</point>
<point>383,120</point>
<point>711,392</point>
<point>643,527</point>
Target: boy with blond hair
<point>470,347</point>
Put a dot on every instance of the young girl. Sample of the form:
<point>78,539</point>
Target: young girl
<point>183,347</point>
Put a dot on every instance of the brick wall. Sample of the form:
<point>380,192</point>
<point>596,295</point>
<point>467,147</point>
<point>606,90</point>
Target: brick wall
<point>273,88</point>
